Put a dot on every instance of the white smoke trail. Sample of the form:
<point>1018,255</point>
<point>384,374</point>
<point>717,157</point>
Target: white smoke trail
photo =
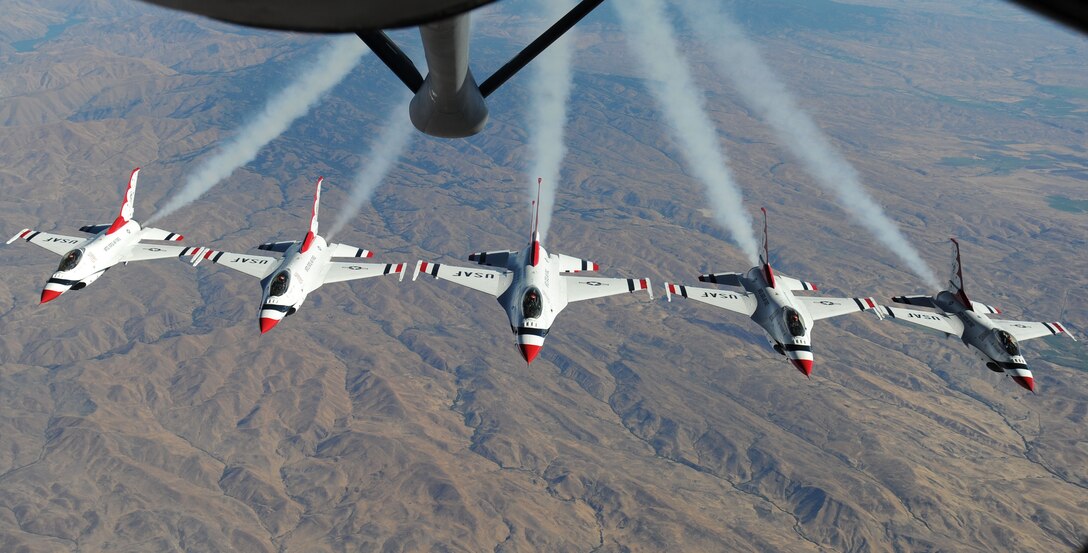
<point>334,62</point>
<point>740,61</point>
<point>650,36</point>
<point>385,150</point>
<point>548,116</point>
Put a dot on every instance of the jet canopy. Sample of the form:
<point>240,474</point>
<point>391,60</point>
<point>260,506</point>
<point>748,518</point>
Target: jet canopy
<point>1008,343</point>
<point>532,305</point>
<point>70,260</point>
<point>793,322</point>
<point>279,284</point>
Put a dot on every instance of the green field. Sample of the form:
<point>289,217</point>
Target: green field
<point>1061,203</point>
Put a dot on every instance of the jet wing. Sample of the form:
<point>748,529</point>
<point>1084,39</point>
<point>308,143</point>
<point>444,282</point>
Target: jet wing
<point>56,243</point>
<point>568,264</point>
<point>150,233</point>
<point>340,271</point>
<point>1024,330</point>
<point>258,266</point>
<point>277,246</point>
<point>586,288</point>
<point>740,302</point>
<point>497,258</point>
<point>484,280</point>
<point>933,321</point>
<point>825,308</point>
<point>143,252</point>
<point>728,279</point>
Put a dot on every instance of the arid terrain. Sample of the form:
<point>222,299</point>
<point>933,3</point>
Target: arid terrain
<point>147,413</point>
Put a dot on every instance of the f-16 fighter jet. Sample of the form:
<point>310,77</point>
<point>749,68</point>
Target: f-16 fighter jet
<point>85,259</point>
<point>994,341</point>
<point>532,286</point>
<point>768,299</point>
<point>304,267</point>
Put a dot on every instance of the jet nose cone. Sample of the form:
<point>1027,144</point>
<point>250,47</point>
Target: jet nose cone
<point>267,324</point>
<point>803,365</point>
<point>49,295</point>
<point>529,351</point>
<point>1025,381</point>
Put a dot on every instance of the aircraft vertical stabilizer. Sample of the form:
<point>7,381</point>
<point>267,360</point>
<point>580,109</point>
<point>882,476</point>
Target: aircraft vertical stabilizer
<point>313,218</point>
<point>127,209</point>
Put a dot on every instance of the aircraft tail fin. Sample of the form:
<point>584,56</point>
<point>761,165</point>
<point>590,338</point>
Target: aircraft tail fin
<point>534,235</point>
<point>955,281</point>
<point>126,204</point>
<point>765,255</point>
<point>313,218</point>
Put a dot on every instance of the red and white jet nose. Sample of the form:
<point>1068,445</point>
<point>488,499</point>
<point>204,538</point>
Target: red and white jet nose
<point>529,345</point>
<point>1026,381</point>
<point>1023,378</point>
<point>267,323</point>
<point>529,351</point>
<point>800,356</point>
<point>803,365</point>
<point>50,295</point>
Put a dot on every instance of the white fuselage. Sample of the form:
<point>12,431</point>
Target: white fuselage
<point>775,307</point>
<point>305,272</point>
<point>91,258</point>
<point>530,320</point>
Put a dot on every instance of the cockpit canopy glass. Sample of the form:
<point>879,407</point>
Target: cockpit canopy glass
<point>532,305</point>
<point>793,322</point>
<point>70,260</point>
<point>1008,342</point>
<point>279,284</point>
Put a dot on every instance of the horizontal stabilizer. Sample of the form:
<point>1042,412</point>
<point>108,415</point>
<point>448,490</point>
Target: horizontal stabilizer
<point>344,250</point>
<point>497,258</point>
<point>94,229</point>
<point>979,307</point>
<point>920,301</point>
<point>568,264</point>
<point>793,284</point>
<point>159,234</point>
<point>277,246</point>
<point>728,279</point>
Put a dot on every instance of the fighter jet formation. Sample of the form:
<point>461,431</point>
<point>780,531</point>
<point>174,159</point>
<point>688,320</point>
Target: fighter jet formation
<point>533,286</point>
